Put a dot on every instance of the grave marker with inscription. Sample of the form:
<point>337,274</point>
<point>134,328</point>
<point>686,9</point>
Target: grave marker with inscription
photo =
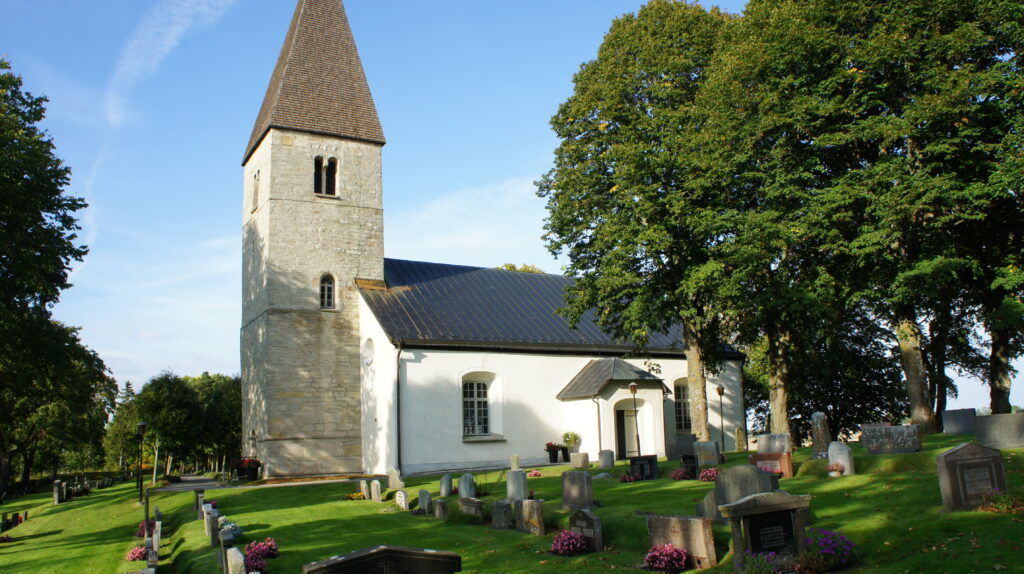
<point>646,466</point>
<point>779,463</point>
<point>1001,431</point>
<point>967,472</point>
<point>395,481</point>
<point>605,459</point>
<point>577,491</point>
<point>891,439</point>
<point>425,502</point>
<point>585,522</point>
<point>841,453</point>
<point>364,489</point>
<point>530,517</point>
<point>707,453</point>
<point>690,533</point>
<point>766,522</point>
<point>778,442</point>
<point>820,435</point>
<point>375,491</point>
<point>467,486</point>
<point>502,515</point>
<point>959,421</point>
<point>402,499</point>
<point>388,559</point>
<point>579,460</point>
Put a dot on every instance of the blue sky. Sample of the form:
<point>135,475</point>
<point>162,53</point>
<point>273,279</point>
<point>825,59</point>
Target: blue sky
<point>152,103</point>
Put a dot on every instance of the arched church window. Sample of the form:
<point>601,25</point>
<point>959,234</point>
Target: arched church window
<point>684,422</point>
<point>331,177</point>
<point>256,190</point>
<point>475,411</point>
<point>318,175</point>
<point>327,292</point>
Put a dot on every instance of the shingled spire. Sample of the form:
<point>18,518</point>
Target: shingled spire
<point>318,84</point>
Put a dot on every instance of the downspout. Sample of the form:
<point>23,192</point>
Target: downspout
<point>600,445</point>
<point>398,407</point>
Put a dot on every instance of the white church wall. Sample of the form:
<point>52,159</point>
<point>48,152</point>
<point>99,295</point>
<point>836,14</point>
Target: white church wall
<point>378,390</point>
<point>730,377</point>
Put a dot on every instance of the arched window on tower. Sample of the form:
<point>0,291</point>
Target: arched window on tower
<point>327,292</point>
<point>318,175</point>
<point>256,190</point>
<point>331,176</point>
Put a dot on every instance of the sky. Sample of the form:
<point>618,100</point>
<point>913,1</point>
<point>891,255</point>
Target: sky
<point>151,104</point>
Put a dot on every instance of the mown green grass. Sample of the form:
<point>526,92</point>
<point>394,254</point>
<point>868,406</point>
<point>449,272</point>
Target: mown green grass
<point>891,509</point>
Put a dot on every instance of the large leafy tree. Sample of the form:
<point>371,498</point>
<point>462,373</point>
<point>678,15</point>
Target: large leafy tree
<point>220,398</point>
<point>173,415</point>
<point>625,200</point>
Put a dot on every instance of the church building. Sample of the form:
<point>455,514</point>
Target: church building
<point>356,363</point>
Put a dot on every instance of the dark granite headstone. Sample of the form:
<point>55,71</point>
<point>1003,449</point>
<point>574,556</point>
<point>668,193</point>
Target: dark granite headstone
<point>684,444</point>
<point>1001,431</point>
<point>959,421</point>
<point>734,484</point>
<point>646,466</point>
<point>388,560</point>
<point>585,522</point>
<point>966,473</point>
<point>766,522</point>
<point>891,439</point>
<point>690,533</point>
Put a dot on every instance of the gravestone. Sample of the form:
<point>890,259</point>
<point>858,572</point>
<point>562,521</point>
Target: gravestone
<point>577,491</point>
<point>236,561</point>
<point>959,421</point>
<point>227,542</point>
<point>159,516</point>
<point>734,484</point>
<point>197,498</point>
<point>388,560</point>
<point>579,460</point>
<point>515,485</point>
<point>684,444</point>
<point>766,522</point>
<point>707,453</point>
<point>820,435</point>
<point>966,472</point>
<point>891,439</point>
<point>778,442</point>
<point>158,530</point>
<point>395,481</point>
<point>364,489</point>
<point>501,515</point>
<point>446,486</point>
<point>645,466</point>
<point>873,426</point>
<point>64,491</point>
<point>441,509</point>
<point>690,533</point>
<point>843,454</point>
<point>467,486</point>
<point>585,522</point>
<point>472,507</point>
<point>689,462</point>
<point>402,499</point>
<point>741,439</point>
<point>375,491</point>
<point>56,492</point>
<point>424,501</point>
<point>207,509</point>
<point>605,459</point>
<point>780,463</point>
<point>513,462</point>
<point>199,502</point>
<point>1000,431</point>
<point>530,517</point>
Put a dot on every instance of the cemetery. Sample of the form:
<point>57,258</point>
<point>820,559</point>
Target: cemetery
<point>909,511</point>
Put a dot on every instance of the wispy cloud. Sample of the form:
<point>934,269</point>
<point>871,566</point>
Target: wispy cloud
<point>155,37</point>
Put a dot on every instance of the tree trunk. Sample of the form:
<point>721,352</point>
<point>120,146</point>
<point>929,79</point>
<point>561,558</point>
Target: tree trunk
<point>156,458</point>
<point>28,457</point>
<point>696,386</point>
<point>778,374</point>
<point>999,372</point>
<point>5,470</point>
<point>908,333</point>
<point>167,467</point>
<point>938,382</point>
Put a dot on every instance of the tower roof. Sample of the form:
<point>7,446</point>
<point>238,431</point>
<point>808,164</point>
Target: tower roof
<point>318,85</point>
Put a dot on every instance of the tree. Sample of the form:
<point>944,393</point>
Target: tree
<point>524,268</point>
<point>220,397</point>
<point>625,201</point>
<point>173,415</point>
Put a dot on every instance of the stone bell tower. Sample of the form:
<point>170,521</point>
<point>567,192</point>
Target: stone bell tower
<point>312,223</point>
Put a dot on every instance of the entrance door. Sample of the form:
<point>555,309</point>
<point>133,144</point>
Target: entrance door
<point>625,434</point>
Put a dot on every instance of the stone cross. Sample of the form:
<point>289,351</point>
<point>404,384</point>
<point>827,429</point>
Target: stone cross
<point>820,435</point>
<point>842,454</point>
<point>446,486</point>
<point>467,486</point>
<point>515,485</point>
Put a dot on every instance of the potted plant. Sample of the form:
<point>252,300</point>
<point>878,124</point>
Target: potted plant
<point>571,440</point>
<point>249,468</point>
<point>552,448</point>
<point>835,469</point>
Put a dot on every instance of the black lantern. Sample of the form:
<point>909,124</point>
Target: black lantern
<point>721,416</point>
<point>636,415</point>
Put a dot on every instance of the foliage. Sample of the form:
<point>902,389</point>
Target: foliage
<point>569,543</point>
<point>825,551</point>
<point>524,268</point>
<point>708,474</point>
<point>681,474</point>
<point>666,558</point>
<point>172,412</point>
<point>137,553</point>
<point>630,477</point>
<point>763,563</point>
<point>141,529</point>
<point>255,564</point>
<point>221,422</point>
<point>355,496</point>
<point>265,549</point>
<point>570,438</point>
<point>996,500</point>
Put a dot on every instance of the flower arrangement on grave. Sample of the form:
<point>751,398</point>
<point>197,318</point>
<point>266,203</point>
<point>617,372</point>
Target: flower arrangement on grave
<point>140,532</point>
<point>995,500</point>
<point>824,551</point>
<point>255,565</point>
<point>708,474</point>
<point>265,549</point>
<point>681,474</point>
<point>630,477</point>
<point>835,469</point>
<point>212,502</point>
<point>764,563</point>
<point>533,473</point>
<point>552,447</point>
<point>137,553</point>
<point>666,558</point>
<point>355,496</point>
<point>568,543</point>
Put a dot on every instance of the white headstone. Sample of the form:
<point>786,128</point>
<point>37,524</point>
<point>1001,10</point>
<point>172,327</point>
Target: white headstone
<point>516,485</point>
<point>843,454</point>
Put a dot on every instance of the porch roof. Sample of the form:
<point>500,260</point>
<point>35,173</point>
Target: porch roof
<point>599,373</point>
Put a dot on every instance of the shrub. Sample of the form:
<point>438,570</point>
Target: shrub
<point>995,500</point>
<point>760,563</point>
<point>709,474</point>
<point>355,496</point>
<point>825,551</point>
<point>681,474</point>
<point>568,543</point>
<point>261,550</point>
<point>137,553</point>
<point>666,558</point>
<point>629,477</point>
<point>255,565</point>
<point>140,532</point>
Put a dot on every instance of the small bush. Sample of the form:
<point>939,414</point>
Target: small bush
<point>681,474</point>
<point>255,565</point>
<point>995,500</point>
<point>760,563</point>
<point>261,550</point>
<point>709,474</point>
<point>140,532</point>
<point>355,496</point>
<point>666,558</point>
<point>137,553</point>
<point>629,477</point>
<point>568,543</point>
<point>825,551</point>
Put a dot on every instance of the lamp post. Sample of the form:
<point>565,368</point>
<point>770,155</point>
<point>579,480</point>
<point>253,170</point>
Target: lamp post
<point>636,415</point>
<point>141,431</point>
<point>721,416</point>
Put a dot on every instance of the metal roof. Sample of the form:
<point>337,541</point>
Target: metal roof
<point>318,85</point>
<point>440,305</point>
<point>599,373</point>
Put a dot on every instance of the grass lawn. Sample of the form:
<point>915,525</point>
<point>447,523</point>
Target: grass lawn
<point>891,510</point>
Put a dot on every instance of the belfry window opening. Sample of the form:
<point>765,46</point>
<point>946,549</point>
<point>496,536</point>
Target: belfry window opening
<point>327,292</point>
